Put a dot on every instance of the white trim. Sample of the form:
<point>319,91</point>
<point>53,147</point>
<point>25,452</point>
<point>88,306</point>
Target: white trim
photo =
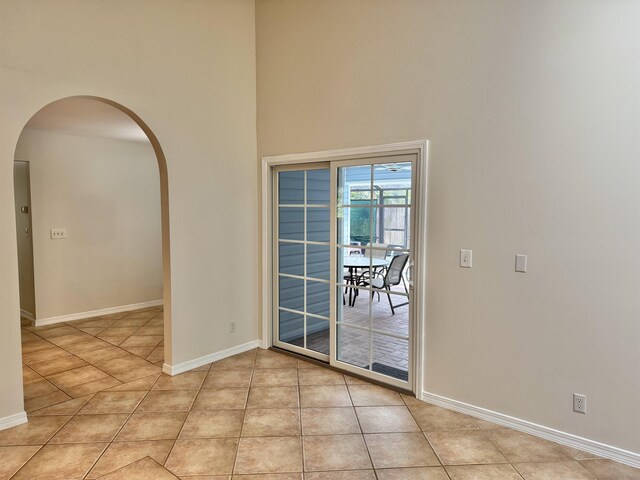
<point>96,313</point>
<point>13,420</point>
<point>212,357</point>
<point>563,438</point>
<point>421,148</point>
<point>28,315</point>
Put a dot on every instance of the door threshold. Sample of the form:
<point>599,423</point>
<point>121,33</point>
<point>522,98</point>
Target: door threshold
<point>326,365</point>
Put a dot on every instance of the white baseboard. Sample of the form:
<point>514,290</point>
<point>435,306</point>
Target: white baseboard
<point>28,315</point>
<point>13,420</point>
<point>39,322</point>
<point>212,357</point>
<point>568,439</point>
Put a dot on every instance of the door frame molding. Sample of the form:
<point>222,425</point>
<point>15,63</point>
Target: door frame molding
<point>421,149</point>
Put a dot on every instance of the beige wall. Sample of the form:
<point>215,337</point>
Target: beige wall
<point>106,193</point>
<point>532,110</point>
<point>188,70</point>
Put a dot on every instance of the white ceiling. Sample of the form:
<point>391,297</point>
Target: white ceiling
<point>88,118</point>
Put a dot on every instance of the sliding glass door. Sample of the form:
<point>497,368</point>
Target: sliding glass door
<point>373,261</point>
<point>302,229</point>
<point>343,256</point>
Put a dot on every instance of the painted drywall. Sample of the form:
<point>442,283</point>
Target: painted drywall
<point>24,237</point>
<point>532,110</point>
<point>106,194</point>
<point>187,69</point>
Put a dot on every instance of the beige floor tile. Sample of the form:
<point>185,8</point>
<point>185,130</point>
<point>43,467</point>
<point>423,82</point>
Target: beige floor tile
<point>142,384</point>
<point>213,423</point>
<point>90,428</point>
<point>269,359</point>
<point>141,352</point>
<point>102,354</point>
<point>570,470</point>
<point>609,470</point>
<point>58,365</point>
<point>114,340</point>
<point>417,473</point>
<point>273,397</point>
<point>397,450</point>
<point>156,355</point>
<point>152,426</point>
<point>37,388</point>
<point>32,347</point>
<point>91,330</point>
<point>57,331</point>
<point>329,421</point>
<point>85,346</point>
<point>36,403</point>
<point>143,469</point>
<point>410,400</point>
<point>335,452</point>
<point>386,419</point>
<point>483,472</point>
<point>259,476</point>
<point>131,322</point>
<point>12,458</point>
<point>168,401</point>
<point>44,355</point>
<point>228,378</point>
<point>61,462</point>
<point>76,376</point>
<point>579,454</point>
<point>113,402</point>
<point>211,456</point>
<point>484,425</point>
<point>235,362</point>
<point>319,376</point>
<point>275,377</point>
<point>373,396</point>
<point>324,396</point>
<point>519,447</point>
<point>344,475</point>
<point>119,455</point>
<point>184,381</point>
<point>68,340</point>
<point>269,455</point>
<point>127,368</point>
<point>91,387</point>
<point>29,375</point>
<point>69,407</point>
<point>271,422</point>
<point>464,447</point>
<point>220,398</point>
<point>142,341</point>
<point>431,417</point>
<point>38,430</point>
<point>117,332</point>
<point>151,331</point>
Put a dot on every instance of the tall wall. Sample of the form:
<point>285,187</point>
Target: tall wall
<point>188,70</point>
<point>532,109</point>
<point>106,194</point>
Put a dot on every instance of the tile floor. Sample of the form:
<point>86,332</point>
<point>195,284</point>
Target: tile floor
<point>99,407</point>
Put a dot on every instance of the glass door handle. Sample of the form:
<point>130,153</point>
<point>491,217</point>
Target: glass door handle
<point>410,275</point>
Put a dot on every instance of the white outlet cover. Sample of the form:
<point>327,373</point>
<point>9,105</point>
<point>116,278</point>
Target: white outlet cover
<point>466,258</point>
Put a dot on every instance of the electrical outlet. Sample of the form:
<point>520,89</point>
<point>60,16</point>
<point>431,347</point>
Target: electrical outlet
<point>58,233</point>
<point>232,327</point>
<point>579,403</point>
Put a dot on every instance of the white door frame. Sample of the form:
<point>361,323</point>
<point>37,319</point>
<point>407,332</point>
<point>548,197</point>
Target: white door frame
<point>420,148</point>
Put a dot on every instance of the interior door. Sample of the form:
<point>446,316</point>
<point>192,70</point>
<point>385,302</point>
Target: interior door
<point>372,306</point>
<point>24,237</point>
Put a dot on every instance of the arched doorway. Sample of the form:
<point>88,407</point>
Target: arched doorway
<point>163,321</point>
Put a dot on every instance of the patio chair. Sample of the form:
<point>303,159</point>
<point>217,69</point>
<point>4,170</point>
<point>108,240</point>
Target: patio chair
<point>391,277</point>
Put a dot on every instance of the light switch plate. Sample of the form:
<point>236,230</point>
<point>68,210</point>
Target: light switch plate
<point>521,263</point>
<point>466,258</point>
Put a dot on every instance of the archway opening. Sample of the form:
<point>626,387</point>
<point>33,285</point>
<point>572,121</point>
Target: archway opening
<point>92,216</point>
